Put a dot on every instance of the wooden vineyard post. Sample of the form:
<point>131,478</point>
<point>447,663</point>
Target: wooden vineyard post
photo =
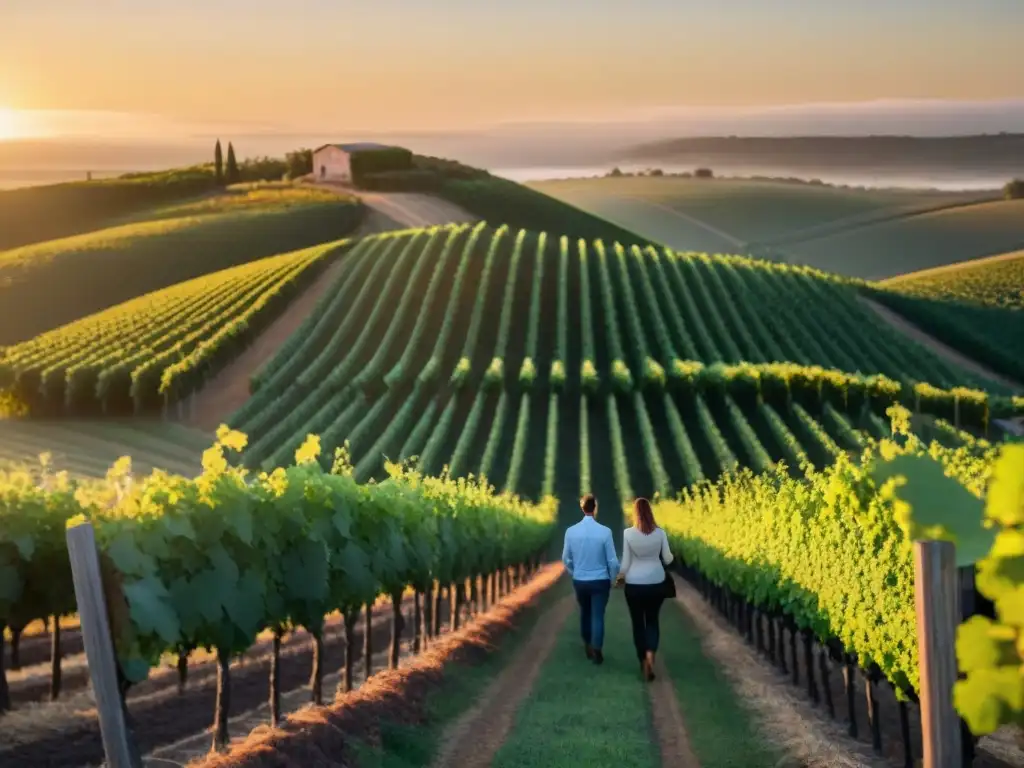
<point>99,647</point>
<point>937,599</point>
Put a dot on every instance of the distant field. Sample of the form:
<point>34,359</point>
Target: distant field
<point>725,215</point>
<point>996,281</point>
<point>49,284</point>
<point>925,241</point>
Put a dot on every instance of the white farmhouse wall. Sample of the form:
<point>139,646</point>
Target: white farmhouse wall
<point>332,164</point>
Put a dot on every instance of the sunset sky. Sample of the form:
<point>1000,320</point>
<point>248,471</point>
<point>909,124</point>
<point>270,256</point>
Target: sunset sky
<point>437,64</point>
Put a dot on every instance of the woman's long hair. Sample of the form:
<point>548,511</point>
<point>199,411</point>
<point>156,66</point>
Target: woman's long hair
<point>644,516</point>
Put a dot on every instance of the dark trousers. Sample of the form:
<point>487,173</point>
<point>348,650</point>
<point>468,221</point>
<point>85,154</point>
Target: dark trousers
<point>644,601</point>
<point>592,597</point>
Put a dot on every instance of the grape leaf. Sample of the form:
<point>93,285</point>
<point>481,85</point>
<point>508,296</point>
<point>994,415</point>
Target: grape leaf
<point>988,698</point>
<point>127,557</point>
<point>151,610</point>
<point>981,643</point>
<point>938,507</point>
<point>1006,493</point>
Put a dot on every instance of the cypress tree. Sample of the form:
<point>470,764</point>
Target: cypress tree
<point>233,175</point>
<point>218,161</point>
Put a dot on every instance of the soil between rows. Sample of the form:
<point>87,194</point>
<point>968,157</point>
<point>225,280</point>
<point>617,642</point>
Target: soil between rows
<point>35,649</point>
<point>160,715</point>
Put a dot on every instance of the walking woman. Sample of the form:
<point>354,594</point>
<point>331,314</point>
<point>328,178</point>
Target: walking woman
<point>645,554</point>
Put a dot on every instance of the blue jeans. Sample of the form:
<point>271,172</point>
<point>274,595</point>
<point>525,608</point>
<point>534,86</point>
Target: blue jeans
<point>593,599</point>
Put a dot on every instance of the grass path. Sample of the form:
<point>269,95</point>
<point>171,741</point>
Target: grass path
<point>719,724</point>
<point>579,714</point>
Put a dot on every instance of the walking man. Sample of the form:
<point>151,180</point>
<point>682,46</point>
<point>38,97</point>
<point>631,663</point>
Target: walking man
<point>589,557</point>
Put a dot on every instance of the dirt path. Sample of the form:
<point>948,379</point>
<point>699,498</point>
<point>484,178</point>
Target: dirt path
<point>907,328</point>
<point>229,389</point>
<point>784,716</point>
<point>475,738</point>
<point>407,209</point>
<point>415,210</point>
<point>669,725</point>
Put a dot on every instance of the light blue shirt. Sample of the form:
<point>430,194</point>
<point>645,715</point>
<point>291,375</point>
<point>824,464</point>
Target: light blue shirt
<point>589,553</point>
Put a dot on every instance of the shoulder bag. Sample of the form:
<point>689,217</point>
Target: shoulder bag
<point>668,586</point>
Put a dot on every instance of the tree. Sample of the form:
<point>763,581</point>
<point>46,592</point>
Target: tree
<point>232,171</point>
<point>1014,190</point>
<point>299,162</point>
<point>704,173</point>
<point>218,162</point>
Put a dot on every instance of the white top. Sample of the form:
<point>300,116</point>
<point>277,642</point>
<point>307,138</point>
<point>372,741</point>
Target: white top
<point>640,553</point>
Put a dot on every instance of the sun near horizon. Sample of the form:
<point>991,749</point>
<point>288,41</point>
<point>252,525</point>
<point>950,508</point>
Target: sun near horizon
<point>16,124</point>
<point>10,124</point>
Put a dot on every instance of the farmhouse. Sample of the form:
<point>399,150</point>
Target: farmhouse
<point>345,162</point>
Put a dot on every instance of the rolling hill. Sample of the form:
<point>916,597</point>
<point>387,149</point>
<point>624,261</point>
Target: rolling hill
<point>869,234</point>
<point>549,363</point>
<point>432,346</point>
<point>914,243</point>
<point>143,355</point>
<point>996,281</point>
<point>48,284</point>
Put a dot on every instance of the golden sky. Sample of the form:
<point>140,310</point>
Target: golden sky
<point>399,64</point>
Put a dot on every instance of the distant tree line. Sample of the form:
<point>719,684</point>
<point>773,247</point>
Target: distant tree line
<point>700,173</point>
<point>227,171</point>
<point>1014,190</point>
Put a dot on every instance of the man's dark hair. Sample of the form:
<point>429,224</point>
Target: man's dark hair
<point>588,504</point>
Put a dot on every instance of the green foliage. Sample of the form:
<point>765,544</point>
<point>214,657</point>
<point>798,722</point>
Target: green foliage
<point>1014,190</point>
<point>551,448</point>
<point>586,485</point>
<point>654,374</point>
<point>499,201</point>
<point>298,163</point>
<point>27,215</point>
<point>158,348</point>
<point>515,469</point>
<point>461,373</point>
<point>403,369</point>
<point>213,561</point>
<point>994,282</point>
<point>589,380</point>
<point>557,375</point>
<point>528,374</point>
<point>218,163</point>
<point>231,172</point>
<point>48,285</point>
<point>494,376</point>
<point>622,379</point>
<point>827,550</point>
<point>992,333</point>
<point>369,162</point>
<point>931,505</point>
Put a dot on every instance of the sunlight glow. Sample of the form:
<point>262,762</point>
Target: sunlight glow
<point>12,125</point>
